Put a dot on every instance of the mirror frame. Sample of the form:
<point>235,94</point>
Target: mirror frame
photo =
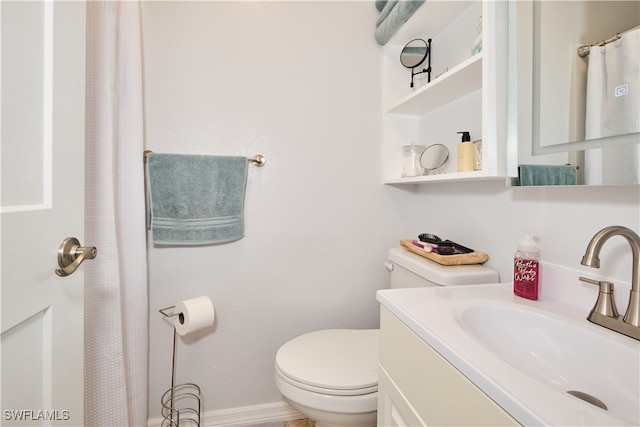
<point>426,56</point>
<point>442,155</point>
<point>407,46</point>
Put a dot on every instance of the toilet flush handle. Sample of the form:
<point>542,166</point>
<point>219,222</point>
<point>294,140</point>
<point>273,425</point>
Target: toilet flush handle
<point>389,266</point>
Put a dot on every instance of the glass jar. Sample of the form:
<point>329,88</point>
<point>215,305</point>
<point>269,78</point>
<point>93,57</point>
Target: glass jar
<point>411,160</point>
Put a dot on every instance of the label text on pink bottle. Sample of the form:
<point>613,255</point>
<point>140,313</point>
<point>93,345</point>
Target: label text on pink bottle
<point>525,270</point>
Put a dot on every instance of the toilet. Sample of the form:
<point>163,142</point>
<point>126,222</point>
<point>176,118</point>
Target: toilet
<point>331,376</point>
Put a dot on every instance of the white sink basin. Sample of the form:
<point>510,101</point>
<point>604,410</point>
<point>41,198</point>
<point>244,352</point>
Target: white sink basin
<point>527,355</point>
<point>561,354</point>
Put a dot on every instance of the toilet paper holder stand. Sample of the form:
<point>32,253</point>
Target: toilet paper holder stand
<point>181,402</point>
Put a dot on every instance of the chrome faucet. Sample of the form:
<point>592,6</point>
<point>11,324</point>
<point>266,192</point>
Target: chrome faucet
<point>603,313</point>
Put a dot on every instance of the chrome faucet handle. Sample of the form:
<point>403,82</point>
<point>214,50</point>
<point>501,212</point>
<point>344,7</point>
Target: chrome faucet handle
<point>605,304</point>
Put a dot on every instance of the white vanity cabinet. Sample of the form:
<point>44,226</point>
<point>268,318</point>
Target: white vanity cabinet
<point>418,387</point>
<point>466,93</point>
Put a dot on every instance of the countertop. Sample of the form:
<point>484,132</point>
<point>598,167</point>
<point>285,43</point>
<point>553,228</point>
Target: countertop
<point>431,314</point>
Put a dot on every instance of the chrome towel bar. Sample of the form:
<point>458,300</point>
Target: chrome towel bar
<point>257,160</point>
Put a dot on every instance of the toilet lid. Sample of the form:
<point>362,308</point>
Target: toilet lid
<point>335,359</point>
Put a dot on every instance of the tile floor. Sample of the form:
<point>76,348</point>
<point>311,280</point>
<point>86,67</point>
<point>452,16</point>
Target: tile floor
<point>297,423</point>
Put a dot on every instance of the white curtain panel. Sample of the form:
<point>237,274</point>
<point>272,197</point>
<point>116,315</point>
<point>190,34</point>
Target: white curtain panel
<point>613,108</point>
<point>116,324</point>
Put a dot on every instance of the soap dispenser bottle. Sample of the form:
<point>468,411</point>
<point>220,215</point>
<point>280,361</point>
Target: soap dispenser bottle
<point>466,161</point>
<point>525,267</point>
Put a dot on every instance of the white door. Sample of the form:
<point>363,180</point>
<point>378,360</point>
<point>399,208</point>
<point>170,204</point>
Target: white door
<point>42,171</point>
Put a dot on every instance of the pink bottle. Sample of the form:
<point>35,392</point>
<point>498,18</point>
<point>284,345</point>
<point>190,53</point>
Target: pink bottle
<point>525,267</point>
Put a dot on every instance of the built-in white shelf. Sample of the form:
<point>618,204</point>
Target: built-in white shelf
<point>453,84</point>
<point>469,95</point>
<point>445,177</point>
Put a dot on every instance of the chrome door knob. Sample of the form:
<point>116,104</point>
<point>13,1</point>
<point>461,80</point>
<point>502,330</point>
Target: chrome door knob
<point>71,255</point>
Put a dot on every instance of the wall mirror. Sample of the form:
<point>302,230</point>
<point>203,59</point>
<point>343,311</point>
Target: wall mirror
<point>555,113</point>
<point>414,54</point>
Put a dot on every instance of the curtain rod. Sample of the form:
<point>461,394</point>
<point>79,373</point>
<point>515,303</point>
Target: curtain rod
<point>257,160</point>
<point>584,50</point>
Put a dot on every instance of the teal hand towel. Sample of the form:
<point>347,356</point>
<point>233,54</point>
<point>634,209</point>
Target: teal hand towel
<point>195,199</point>
<point>547,175</point>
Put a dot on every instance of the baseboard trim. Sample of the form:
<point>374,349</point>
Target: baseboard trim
<point>244,416</point>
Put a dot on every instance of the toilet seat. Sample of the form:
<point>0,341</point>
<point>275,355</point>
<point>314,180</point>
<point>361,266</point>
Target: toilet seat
<point>339,362</point>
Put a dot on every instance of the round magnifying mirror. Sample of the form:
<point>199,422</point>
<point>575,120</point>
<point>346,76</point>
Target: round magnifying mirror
<point>434,158</point>
<point>414,53</point>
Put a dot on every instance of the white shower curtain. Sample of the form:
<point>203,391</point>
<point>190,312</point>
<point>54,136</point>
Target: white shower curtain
<point>116,324</point>
<point>613,108</point>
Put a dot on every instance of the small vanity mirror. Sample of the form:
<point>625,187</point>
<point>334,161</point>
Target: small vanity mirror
<point>434,158</point>
<point>414,54</point>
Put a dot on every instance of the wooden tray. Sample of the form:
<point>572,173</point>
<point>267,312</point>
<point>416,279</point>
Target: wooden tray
<point>474,257</point>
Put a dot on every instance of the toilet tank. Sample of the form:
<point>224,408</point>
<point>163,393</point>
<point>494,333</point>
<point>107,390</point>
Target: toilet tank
<point>409,270</point>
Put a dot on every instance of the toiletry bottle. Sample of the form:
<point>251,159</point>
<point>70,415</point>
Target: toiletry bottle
<point>525,267</point>
<point>477,155</point>
<point>466,160</point>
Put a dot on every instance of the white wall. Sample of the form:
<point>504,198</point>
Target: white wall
<point>489,216</point>
<point>300,82</point>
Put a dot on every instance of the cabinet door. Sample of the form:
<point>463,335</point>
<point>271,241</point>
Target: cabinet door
<point>435,390</point>
<point>393,408</point>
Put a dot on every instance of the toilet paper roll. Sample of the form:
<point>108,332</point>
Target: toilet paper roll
<point>195,314</point>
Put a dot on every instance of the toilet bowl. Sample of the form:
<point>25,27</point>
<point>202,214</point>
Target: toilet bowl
<point>331,376</point>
